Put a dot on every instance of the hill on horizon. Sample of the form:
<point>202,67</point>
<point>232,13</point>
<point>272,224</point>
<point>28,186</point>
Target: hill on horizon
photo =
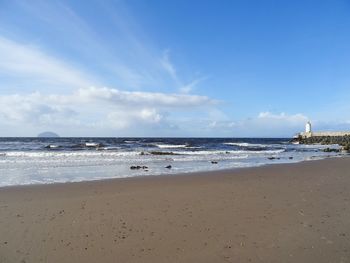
<point>48,134</point>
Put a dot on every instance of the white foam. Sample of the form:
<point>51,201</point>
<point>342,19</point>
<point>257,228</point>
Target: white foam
<point>92,144</point>
<point>188,158</point>
<point>53,146</point>
<point>169,146</point>
<point>131,141</point>
<point>228,152</point>
<point>244,144</point>
<point>109,148</point>
<point>70,154</point>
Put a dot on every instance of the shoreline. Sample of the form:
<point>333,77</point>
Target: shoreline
<point>150,176</point>
<point>282,212</point>
<point>70,160</point>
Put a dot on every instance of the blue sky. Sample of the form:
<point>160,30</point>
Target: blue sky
<point>173,68</point>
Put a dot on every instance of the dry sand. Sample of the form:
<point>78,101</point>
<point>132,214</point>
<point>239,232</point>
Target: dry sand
<point>278,213</point>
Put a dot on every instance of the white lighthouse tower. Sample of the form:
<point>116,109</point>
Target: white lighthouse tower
<point>308,127</point>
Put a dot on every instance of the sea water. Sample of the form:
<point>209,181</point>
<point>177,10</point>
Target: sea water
<point>51,160</point>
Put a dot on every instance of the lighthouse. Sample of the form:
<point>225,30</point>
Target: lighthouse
<point>308,127</point>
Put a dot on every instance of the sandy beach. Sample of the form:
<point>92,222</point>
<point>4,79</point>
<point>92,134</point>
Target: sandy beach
<point>277,213</point>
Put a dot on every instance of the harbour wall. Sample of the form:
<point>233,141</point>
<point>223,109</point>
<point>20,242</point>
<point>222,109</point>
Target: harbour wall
<point>324,134</point>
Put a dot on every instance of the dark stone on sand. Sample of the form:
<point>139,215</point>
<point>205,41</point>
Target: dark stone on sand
<point>138,167</point>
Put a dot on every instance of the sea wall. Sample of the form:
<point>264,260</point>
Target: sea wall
<point>341,138</point>
<point>331,134</point>
<point>324,134</point>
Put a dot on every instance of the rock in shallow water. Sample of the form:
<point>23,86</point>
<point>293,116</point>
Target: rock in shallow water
<point>137,167</point>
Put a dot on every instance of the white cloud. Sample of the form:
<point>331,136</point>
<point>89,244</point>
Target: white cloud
<point>283,118</point>
<point>104,111</point>
<point>100,108</point>
<point>137,98</point>
<point>264,124</point>
<point>281,124</point>
<point>145,117</point>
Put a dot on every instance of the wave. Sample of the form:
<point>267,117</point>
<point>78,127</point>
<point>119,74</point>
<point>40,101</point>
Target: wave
<point>169,146</point>
<point>93,144</point>
<point>52,146</point>
<point>112,152</point>
<point>246,144</point>
<point>229,152</point>
<point>190,158</point>
<point>59,154</point>
<point>109,148</point>
<point>132,141</point>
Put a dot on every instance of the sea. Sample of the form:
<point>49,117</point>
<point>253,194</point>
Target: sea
<point>26,161</point>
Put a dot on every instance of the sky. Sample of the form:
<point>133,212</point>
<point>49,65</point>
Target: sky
<point>177,68</point>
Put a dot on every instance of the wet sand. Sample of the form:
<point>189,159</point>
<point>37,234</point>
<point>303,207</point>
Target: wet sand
<point>277,213</point>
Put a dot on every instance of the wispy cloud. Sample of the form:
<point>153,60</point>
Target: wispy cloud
<point>170,68</point>
<point>124,56</point>
<point>85,110</point>
<point>187,88</point>
<point>27,62</point>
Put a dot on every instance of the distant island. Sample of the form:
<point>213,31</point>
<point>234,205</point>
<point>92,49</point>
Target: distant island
<point>48,134</point>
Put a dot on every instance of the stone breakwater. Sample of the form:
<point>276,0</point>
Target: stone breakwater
<point>342,139</point>
<point>324,134</point>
